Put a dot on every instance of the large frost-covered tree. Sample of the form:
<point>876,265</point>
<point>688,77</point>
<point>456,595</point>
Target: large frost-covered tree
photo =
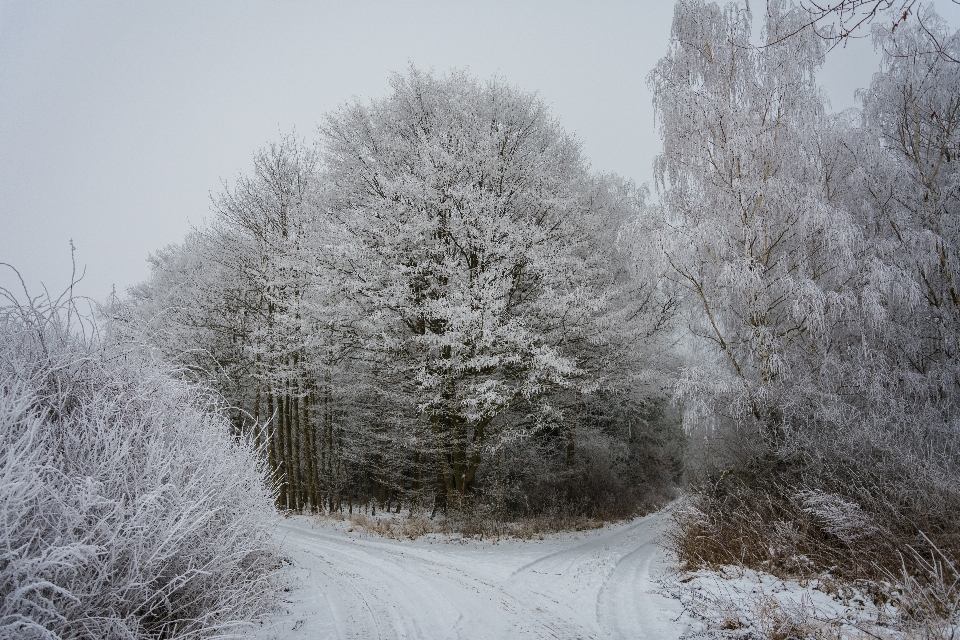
<point>473,230</point>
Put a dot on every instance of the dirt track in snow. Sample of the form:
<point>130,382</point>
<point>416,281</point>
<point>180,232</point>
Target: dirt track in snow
<point>596,584</point>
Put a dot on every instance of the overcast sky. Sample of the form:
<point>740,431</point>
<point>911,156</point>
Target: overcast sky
<point>119,119</point>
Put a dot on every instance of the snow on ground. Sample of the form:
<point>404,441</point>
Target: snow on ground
<point>733,602</point>
<point>594,584</point>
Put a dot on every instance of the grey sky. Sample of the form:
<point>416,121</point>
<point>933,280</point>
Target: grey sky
<point>118,119</point>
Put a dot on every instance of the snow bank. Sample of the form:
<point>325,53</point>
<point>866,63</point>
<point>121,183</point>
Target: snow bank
<point>734,602</point>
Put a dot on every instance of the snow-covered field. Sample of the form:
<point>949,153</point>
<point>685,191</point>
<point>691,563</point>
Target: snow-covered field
<point>594,584</point>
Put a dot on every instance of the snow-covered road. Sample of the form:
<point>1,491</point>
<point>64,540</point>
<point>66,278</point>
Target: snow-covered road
<point>594,584</point>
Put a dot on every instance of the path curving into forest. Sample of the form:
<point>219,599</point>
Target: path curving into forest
<point>596,584</point>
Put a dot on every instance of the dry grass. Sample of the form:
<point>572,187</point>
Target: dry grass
<point>483,521</point>
<point>891,536</point>
<point>410,526</point>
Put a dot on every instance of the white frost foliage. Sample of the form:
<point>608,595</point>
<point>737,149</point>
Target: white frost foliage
<point>474,226</point>
<point>128,509</point>
<point>887,288</point>
<point>749,228</point>
<point>843,518</point>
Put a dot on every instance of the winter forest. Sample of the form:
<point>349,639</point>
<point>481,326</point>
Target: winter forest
<point>433,308</point>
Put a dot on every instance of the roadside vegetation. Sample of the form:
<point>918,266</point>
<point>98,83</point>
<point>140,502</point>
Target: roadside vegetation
<point>129,508</point>
<point>819,258</point>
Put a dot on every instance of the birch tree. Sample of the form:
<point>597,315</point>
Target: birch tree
<point>819,255</point>
<point>749,228</point>
<point>913,105</point>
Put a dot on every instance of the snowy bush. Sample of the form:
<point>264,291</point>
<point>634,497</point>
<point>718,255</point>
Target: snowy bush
<point>128,509</point>
<point>858,504</point>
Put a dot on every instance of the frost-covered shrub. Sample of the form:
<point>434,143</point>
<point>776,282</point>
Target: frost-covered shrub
<point>127,509</point>
<point>861,505</point>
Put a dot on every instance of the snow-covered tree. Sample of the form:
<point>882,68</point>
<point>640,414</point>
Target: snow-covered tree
<point>473,230</point>
<point>749,228</point>
<point>445,278</point>
<point>912,111</point>
<point>237,303</point>
<point>819,256</point>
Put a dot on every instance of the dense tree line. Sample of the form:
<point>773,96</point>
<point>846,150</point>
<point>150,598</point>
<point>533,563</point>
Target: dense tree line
<point>818,258</point>
<point>431,299</point>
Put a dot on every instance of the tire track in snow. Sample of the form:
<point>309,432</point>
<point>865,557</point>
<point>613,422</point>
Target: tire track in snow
<point>597,587</point>
<point>362,589</point>
<point>435,598</point>
<point>628,604</point>
<point>612,575</point>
